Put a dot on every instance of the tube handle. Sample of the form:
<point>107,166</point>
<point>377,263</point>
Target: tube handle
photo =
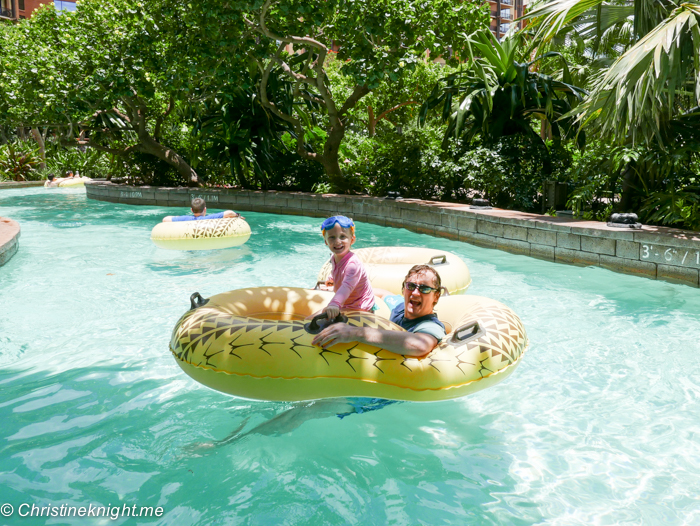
<point>467,331</point>
<point>196,300</point>
<point>438,260</point>
<point>314,327</point>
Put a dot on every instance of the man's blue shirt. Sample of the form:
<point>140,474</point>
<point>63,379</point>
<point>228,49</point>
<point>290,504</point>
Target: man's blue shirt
<point>429,324</point>
<point>193,218</point>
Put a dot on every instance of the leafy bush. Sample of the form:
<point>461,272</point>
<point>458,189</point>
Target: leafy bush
<point>673,208</point>
<point>18,161</point>
<point>596,177</point>
<point>411,164</point>
<point>89,162</point>
<point>662,187</point>
<point>510,173</point>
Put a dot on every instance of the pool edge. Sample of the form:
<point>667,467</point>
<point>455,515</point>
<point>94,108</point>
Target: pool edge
<point>9,239</point>
<point>662,253</point>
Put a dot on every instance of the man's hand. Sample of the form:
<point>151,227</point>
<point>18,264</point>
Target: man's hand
<point>336,333</point>
<point>232,214</point>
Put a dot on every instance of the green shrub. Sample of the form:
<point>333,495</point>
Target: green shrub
<point>412,163</point>
<point>87,161</point>
<point>510,173</point>
<point>19,161</point>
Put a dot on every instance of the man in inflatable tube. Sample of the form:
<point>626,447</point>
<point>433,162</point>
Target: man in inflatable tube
<point>199,211</point>
<point>421,292</point>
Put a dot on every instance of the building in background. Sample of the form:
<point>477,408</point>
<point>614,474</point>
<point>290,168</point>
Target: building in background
<point>503,12</point>
<point>503,15</point>
<point>20,9</point>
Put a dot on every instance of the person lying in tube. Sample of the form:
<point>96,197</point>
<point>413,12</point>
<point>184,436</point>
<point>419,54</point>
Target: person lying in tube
<point>199,211</point>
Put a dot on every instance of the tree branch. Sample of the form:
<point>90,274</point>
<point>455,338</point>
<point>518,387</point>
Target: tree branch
<point>160,119</point>
<point>352,100</point>
<point>385,113</point>
<point>298,126</point>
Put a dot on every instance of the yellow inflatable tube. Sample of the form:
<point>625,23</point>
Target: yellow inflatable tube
<point>205,234</point>
<point>387,267</point>
<point>68,183</point>
<point>255,343</point>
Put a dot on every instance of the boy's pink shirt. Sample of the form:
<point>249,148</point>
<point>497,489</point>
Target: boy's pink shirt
<point>351,284</point>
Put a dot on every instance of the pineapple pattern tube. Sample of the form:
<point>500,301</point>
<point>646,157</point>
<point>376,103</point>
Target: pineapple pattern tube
<point>253,343</point>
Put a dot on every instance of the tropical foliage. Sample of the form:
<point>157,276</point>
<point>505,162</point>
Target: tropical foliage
<point>18,161</point>
<point>645,92</point>
<point>497,96</point>
<point>414,96</point>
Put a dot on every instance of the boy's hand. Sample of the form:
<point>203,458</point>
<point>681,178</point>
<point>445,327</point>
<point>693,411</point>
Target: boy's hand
<point>332,312</point>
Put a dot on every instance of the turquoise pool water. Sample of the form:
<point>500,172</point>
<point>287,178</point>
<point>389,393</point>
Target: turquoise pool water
<point>600,424</point>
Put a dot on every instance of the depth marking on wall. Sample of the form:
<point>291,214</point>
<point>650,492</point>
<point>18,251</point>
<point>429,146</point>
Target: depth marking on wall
<point>131,195</point>
<point>680,257</point>
<point>210,198</point>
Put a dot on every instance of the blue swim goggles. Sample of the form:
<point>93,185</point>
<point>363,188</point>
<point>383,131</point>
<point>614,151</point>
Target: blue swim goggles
<point>344,222</point>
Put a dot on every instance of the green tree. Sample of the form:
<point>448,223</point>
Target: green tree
<point>394,103</point>
<point>376,42</point>
<point>654,81</point>
<point>115,70</point>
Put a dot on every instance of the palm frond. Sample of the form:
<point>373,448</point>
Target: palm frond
<point>638,93</point>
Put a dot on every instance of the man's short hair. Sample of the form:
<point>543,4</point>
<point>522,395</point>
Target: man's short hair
<point>69,172</point>
<point>420,269</point>
<point>50,177</point>
<point>198,205</point>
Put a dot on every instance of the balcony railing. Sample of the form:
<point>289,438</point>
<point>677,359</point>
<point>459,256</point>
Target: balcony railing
<point>506,2</point>
<point>506,14</point>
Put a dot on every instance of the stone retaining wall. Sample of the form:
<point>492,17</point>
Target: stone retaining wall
<point>7,185</point>
<point>653,252</point>
<point>9,239</point>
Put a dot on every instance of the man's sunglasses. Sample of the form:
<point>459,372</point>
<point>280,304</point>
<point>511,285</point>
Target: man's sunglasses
<point>423,289</point>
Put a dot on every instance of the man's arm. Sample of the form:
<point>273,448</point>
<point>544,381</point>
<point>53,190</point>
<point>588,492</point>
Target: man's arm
<point>168,219</point>
<point>231,213</point>
<point>407,343</point>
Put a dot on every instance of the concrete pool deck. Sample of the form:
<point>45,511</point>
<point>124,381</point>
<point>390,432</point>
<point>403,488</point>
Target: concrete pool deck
<point>9,185</point>
<point>9,239</point>
<point>662,253</point>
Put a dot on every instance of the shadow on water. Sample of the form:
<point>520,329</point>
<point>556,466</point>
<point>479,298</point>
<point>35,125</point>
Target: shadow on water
<point>425,463</point>
<point>281,424</point>
<point>180,263</point>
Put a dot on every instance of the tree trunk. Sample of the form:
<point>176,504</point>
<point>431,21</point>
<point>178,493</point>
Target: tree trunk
<point>42,150</point>
<point>628,176</point>
<point>372,123</point>
<point>329,160</point>
<point>170,156</point>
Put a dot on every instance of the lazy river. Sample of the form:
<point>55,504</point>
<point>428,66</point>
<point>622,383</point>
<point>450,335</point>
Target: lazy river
<point>598,425</point>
